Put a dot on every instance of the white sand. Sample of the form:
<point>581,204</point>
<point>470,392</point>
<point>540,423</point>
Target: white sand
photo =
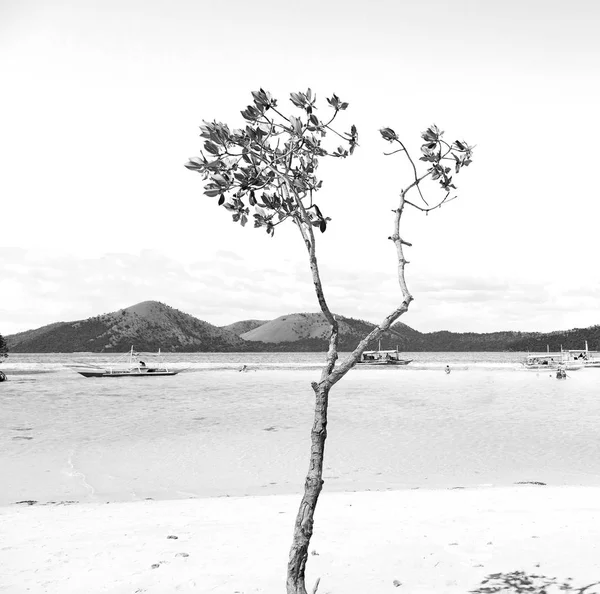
<point>431,541</point>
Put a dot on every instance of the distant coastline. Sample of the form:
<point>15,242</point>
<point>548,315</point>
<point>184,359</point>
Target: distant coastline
<point>152,325</point>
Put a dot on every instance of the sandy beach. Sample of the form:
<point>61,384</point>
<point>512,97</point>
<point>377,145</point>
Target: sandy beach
<point>414,540</point>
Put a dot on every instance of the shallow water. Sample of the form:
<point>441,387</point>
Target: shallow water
<point>212,431</point>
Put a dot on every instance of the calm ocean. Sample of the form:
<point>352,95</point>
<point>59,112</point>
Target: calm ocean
<point>212,431</point>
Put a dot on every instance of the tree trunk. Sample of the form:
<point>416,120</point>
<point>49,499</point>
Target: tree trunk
<point>303,528</point>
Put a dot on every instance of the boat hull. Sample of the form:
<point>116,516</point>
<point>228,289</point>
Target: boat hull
<point>553,367</point>
<point>385,363</point>
<point>104,373</point>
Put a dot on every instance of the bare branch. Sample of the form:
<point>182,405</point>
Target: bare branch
<point>308,235</point>
<point>417,180</point>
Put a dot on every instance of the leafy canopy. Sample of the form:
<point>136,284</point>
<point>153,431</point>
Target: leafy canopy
<point>438,153</point>
<point>268,169</point>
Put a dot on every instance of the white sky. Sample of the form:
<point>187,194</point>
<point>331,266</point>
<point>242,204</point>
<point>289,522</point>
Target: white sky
<point>100,104</point>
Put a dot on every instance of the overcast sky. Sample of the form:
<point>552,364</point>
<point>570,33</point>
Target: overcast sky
<point>100,107</point>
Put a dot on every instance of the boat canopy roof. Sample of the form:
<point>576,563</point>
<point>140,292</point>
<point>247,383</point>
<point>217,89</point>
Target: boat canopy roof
<point>378,352</point>
<point>578,351</point>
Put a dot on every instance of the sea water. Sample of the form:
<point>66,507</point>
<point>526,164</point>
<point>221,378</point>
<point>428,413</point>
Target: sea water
<point>215,431</point>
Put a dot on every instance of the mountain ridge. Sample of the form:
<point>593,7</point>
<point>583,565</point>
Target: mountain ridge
<point>151,325</point>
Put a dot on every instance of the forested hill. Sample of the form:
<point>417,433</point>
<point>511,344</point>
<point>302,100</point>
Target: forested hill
<point>567,339</point>
<point>506,341</point>
<point>467,341</point>
<point>147,326</point>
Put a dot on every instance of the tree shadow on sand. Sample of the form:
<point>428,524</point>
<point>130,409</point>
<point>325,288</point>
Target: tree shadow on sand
<point>519,581</point>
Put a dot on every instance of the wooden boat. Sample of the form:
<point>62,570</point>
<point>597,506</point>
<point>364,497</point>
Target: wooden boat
<point>135,366</point>
<point>582,357</point>
<point>570,359</point>
<point>380,357</point>
<point>537,362</point>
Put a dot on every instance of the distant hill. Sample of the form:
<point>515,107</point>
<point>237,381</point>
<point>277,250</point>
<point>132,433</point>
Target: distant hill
<point>567,339</point>
<point>147,326</point>
<point>310,332</point>
<point>240,328</point>
<point>32,336</point>
<point>467,341</point>
<point>151,325</point>
<point>294,327</point>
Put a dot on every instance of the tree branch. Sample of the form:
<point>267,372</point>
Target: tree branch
<point>416,175</point>
<point>377,332</point>
<point>306,229</point>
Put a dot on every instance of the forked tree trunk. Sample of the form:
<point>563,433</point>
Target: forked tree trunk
<point>303,527</point>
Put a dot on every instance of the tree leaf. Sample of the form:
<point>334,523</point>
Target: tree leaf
<point>298,100</point>
<point>211,147</point>
<point>296,124</point>
<point>388,134</point>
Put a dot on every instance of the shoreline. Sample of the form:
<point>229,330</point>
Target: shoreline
<point>86,494</point>
<point>70,498</point>
<point>443,540</point>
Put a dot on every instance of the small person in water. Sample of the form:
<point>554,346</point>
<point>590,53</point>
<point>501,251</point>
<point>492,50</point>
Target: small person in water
<point>244,368</point>
<point>447,370</point>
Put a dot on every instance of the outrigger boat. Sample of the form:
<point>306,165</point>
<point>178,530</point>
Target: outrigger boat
<point>123,368</point>
<point>380,357</point>
<point>570,359</point>
<point>551,361</point>
<point>584,358</point>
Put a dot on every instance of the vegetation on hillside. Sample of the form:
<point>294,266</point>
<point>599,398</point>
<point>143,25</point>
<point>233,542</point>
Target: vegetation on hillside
<point>567,339</point>
<point>160,327</point>
<point>3,348</point>
<point>244,326</point>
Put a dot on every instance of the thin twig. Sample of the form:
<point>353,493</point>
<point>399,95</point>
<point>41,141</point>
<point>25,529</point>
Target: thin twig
<point>444,201</point>
<point>316,586</point>
<point>414,169</point>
